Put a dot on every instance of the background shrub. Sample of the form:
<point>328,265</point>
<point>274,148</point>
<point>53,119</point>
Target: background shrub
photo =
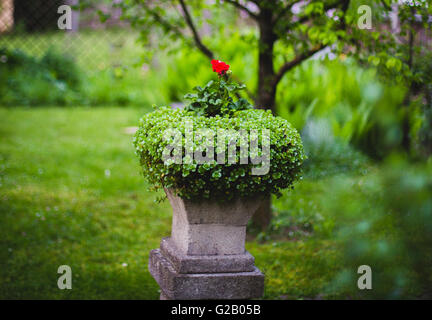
<point>327,154</point>
<point>360,109</point>
<point>385,221</point>
<point>26,80</point>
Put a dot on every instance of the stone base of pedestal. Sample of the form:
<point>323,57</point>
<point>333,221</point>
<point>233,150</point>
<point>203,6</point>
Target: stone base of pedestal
<point>218,285</point>
<point>184,263</point>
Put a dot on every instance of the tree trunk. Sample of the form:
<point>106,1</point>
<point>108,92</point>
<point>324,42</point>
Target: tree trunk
<point>266,96</point>
<point>266,90</point>
<point>262,217</point>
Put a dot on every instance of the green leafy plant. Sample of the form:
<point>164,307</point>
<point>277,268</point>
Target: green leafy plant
<point>213,109</point>
<point>217,96</point>
<point>214,180</point>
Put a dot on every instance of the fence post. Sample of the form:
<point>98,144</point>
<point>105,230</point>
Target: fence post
<point>6,15</point>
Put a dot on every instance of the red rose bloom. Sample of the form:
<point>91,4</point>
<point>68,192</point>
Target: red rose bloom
<point>219,66</point>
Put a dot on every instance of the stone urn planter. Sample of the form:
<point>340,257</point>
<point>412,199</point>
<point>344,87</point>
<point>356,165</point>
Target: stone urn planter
<point>216,159</point>
<point>205,257</point>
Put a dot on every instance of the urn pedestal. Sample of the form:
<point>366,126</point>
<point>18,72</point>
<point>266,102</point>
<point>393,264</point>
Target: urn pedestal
<point>205,257</point>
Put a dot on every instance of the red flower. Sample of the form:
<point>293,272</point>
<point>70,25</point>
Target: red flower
<point>219,66</point>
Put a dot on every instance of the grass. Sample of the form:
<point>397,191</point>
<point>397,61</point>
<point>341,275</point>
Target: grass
<point>71,193</point>
<point>61,205</point>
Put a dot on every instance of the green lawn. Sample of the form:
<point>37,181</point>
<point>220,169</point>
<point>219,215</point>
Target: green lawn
<point>71,193</point>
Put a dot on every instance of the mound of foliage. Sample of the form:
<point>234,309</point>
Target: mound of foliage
<point>216,108</point>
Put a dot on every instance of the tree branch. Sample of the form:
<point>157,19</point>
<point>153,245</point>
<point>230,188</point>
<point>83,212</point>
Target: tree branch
<point>242,7</point>
<point>385,5</point>
<point>283,11</point>
<point>197,39</point>
<point>296,61</point>
<point>327,7</point>
<point>196,36</point>
<point>166,25</point>
<point>300,58</point>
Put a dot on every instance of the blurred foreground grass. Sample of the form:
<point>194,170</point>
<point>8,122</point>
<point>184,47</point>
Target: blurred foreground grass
<point>71,193</point>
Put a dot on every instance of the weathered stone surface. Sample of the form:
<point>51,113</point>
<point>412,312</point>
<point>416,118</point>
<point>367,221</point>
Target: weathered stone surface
<point>205,257</point>
<point>212,239</point>
<point>205,264</point>
<point>174,285</point>
<point>210,228</point>
<point>163,297</point>
<point>236,213</point>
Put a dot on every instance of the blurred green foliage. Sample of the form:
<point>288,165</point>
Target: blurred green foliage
<point>107,64</point>
<point>328,154</point>
<point>53,79</point>
<point>302,212</point>
<point>359,108</point>
<point>385,221</point>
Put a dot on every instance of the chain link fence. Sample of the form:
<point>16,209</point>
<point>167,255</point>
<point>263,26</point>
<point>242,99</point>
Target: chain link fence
<point>70,38</point>
<point>34,26</point>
